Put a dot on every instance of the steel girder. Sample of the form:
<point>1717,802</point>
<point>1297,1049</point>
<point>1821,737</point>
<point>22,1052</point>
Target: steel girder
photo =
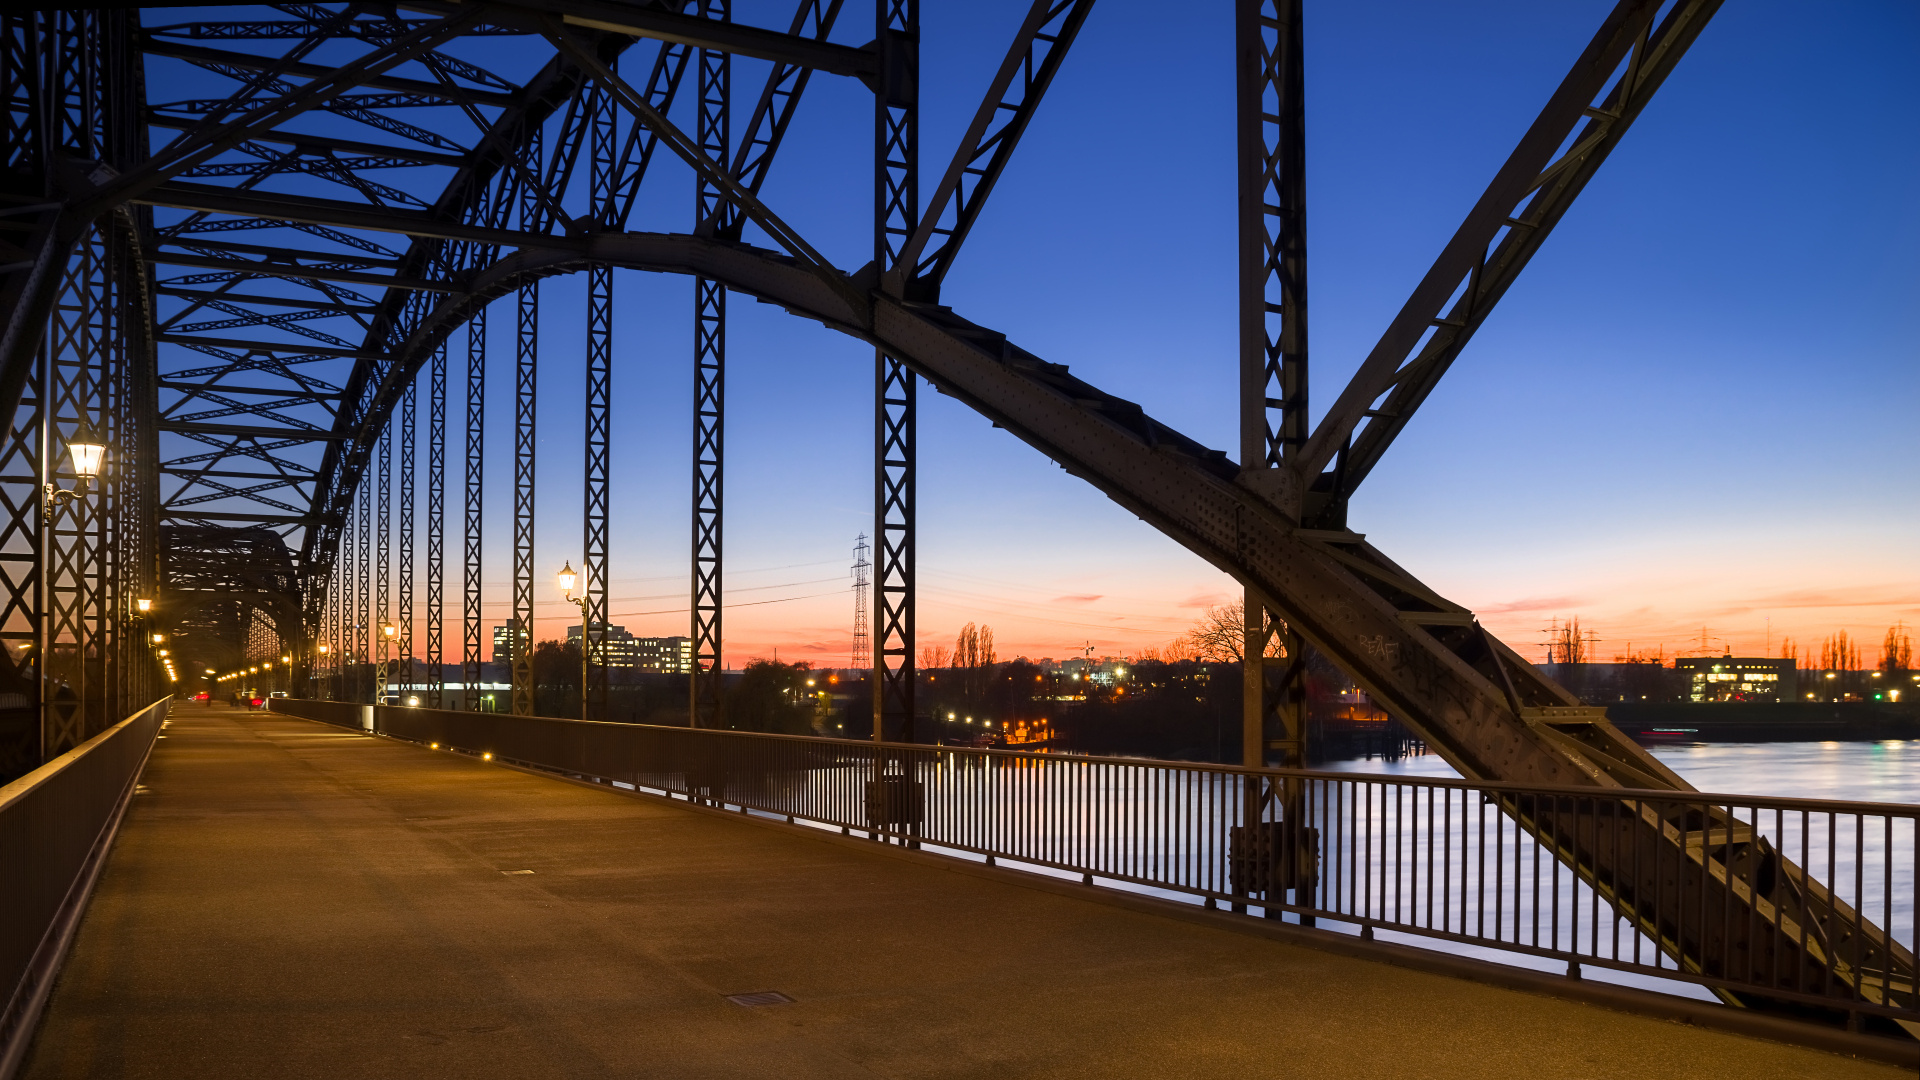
<point>437,531</point>
<point>1039,47</point>
<point>896,220</point>
<point>403,587</point>
<point>1270,121</point>
<point>710,207</point>
<point>1627,61</point>
<point>473,531</point>
<point>597,427</point>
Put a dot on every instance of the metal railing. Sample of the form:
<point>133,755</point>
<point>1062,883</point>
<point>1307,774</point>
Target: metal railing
<point>56,824</point>
<point>1641,881</point>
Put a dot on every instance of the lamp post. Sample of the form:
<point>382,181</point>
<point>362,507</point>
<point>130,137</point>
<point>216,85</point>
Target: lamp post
<point>88,453</point>
<point>567,579</point>
<point>388,632</point>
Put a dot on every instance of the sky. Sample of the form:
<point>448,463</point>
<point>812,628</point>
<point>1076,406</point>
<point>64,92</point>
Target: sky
<point>1694,414</point>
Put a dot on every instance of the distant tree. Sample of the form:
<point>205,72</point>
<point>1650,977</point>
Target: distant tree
<point>772,697</point>
<point>974,647</point>
<point>1789,650</point>
<point>934,656</point>
<point>557,664</point>
<point>1565,643</point>
<point>1838,653</point>
<point>1896,652</point>
<point>1220,636</point>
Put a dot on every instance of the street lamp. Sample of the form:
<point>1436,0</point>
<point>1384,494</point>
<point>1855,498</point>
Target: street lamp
<point>143,605</point>
<point>88,452</point>
<point>567,579</point>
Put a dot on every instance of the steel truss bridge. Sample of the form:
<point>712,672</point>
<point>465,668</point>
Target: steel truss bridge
<point>252,297</point>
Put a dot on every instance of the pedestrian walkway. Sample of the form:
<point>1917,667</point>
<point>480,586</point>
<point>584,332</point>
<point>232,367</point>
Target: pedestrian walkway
<point>288,899</point>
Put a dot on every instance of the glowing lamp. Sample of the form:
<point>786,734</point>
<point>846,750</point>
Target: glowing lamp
<point>388,630</point>
<point>88,452</point>
<point>567,577</point>
<point>143,605</point>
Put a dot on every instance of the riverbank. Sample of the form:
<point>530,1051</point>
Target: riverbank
<point>1659,723</point>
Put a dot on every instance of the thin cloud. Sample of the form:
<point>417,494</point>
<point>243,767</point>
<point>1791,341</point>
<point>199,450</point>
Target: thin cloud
<point>1083,598</point>
<point>1204,600</point>
<point>1538,603</point>
<point>1860,596</point>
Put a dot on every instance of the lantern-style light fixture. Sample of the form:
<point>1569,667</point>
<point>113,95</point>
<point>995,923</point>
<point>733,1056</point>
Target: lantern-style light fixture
<point>158,638</point>
<point>323,650</point>
<point>88,454</point>
<point>567,579</point>
<point>143,605</point>
<point>388,630</point>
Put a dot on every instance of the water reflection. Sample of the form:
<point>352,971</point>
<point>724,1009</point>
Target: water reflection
<point>1886,771</point>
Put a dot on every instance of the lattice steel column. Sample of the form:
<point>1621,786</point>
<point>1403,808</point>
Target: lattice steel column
<point>21,544</point>
<point>80,334</point>
<point>597,431</point>
<point>437,530</point>
<point>896,194</point>
<point>338,600</point>
<point>382,615</point>
<point>404,611</point>
<point>525,380</point>
<point>363,608</point>
<point>1271,126</point>
<point>471,534</point>
<point>709,398</point>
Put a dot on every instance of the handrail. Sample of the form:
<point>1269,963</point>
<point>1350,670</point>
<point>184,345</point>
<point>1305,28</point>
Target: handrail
<point>57,824</point>
<point>1783,802</point>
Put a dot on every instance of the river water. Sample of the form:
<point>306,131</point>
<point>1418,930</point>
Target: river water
<point>1865,771</point>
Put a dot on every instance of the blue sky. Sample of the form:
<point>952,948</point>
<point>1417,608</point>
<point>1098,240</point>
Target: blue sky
<point>1696,408</point>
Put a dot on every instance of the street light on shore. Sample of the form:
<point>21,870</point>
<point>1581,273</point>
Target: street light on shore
<point>567,578</point>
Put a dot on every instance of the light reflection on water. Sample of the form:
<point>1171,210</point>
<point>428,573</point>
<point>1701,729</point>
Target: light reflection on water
<point>1863,771</point>
<point>1873,772</point>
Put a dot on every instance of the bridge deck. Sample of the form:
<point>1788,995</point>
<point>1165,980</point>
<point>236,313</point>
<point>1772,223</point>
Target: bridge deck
<point>290,900</point>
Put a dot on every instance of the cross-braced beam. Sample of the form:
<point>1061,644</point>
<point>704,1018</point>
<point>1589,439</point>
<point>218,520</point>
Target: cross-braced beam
<point>711,211</point>
<point>896,218</point>
<point>1611,83</point>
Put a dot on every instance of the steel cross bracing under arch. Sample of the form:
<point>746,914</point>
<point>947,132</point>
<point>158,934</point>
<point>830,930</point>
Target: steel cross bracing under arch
<point>305,294</point>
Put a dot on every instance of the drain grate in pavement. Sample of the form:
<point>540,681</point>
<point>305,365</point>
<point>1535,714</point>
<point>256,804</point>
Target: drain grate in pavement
<point>762,997</point>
